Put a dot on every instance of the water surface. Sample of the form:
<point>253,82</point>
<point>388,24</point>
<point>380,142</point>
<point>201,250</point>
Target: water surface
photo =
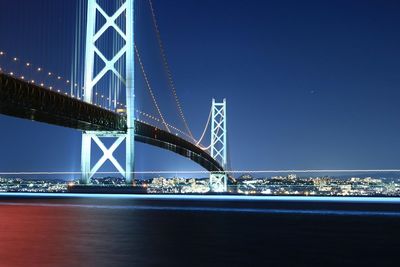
<point>139,232</point>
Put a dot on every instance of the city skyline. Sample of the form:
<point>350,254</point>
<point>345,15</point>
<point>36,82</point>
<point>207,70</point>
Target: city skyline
<point>325,100</point>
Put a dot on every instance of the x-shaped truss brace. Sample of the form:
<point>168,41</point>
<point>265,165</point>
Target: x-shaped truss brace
<point>109,64</point>
<point>107,155</point>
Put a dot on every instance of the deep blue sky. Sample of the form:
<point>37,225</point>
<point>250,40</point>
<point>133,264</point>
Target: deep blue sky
<point>309,84</point>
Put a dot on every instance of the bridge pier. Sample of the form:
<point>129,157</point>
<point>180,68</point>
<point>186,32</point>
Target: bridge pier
<point>218,182</point>
<point>108,154</point>
<point>85,158</point>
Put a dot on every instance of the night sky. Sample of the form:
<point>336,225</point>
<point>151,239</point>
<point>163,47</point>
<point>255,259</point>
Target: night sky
<point>309,84</point>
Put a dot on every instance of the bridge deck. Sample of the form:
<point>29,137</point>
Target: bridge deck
<point>28,101</point>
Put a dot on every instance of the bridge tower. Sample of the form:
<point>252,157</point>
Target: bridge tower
<point>219,180</point>
<point>125,54</point>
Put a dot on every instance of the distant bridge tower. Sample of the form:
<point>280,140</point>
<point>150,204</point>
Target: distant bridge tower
<point>126,54</point>
<point>219,180</point>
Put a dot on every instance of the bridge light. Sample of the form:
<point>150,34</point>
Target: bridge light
<point>49,73</point>
<point>51,88</point>
<point>58,78</point>
<point>42,84</point>
<point>1,53</point>
<point>67,81</point>
<point>11,73</point>
<point>39,69</point>
<point>22,77</point>
<point>28,64</point>
<point>58,91</point>
<point>33,81</point>
<point>15,59</point>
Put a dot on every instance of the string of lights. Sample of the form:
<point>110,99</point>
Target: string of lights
<point>100,100</point>
<point>167,69</point>
<point>29,66</point>
<point>52,78</point>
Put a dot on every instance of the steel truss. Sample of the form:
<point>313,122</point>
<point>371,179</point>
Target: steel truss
<point>92,35</point>
<point>218,181</point>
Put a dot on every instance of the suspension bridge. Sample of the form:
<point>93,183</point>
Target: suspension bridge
<point>110,113</point>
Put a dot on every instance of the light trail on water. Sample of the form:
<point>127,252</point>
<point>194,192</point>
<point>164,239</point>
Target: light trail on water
<point>325,212</point>
<point>370,200</point>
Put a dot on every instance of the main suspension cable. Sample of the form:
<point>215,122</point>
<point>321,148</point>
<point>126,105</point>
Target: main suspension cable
<point>168,70</point>
<point>150,89</point>
<point>158,120</point>
<point>205,128</point>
